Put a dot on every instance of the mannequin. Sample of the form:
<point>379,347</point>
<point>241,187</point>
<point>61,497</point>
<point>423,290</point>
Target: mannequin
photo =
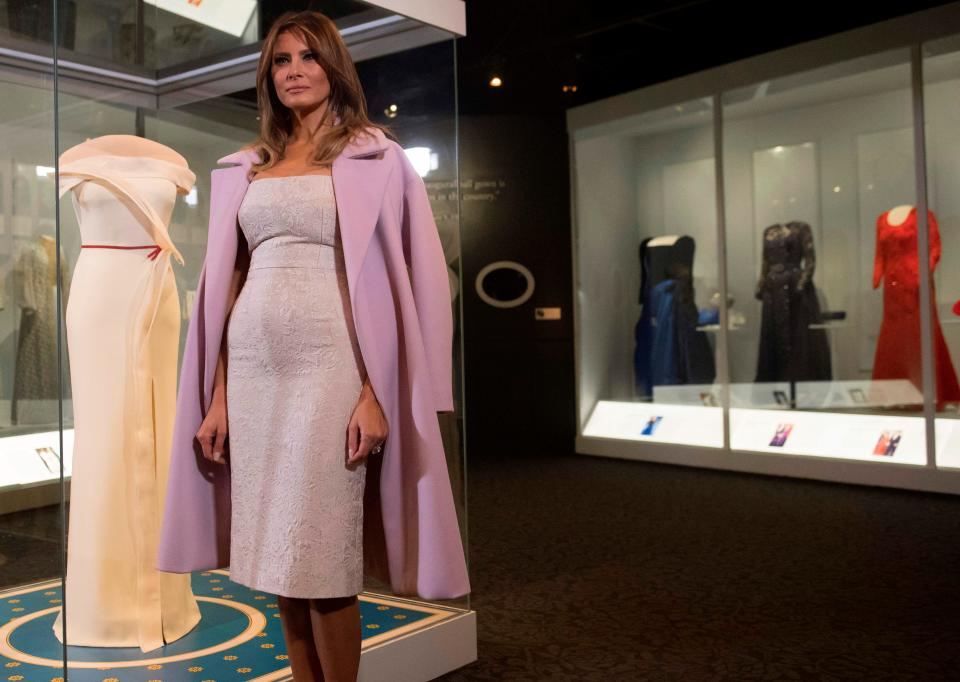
<point>122,145</point>
<point>789,349</point>
<point>35,374</point>
<point>668,240</point>
<point>898,215</point>
<point>123,329</point>
<point>669,350</point>
<point>896,263</point>
<point>49,245</point>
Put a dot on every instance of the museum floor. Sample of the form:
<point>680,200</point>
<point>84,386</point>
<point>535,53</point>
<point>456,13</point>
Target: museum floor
<point>593,569</point>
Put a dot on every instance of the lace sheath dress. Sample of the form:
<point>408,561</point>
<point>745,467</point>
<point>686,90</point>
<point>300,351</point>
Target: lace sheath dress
<point>293,378</point>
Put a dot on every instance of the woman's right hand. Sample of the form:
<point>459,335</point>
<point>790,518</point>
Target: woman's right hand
<point>213,430</point>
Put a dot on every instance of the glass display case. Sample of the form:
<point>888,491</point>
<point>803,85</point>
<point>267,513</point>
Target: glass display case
<point>180,74</point>
<point>789,237</point>
<point>811,168</point>
<point>649,280</point>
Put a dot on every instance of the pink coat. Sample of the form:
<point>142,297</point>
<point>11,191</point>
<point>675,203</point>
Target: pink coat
<point>399,292</point>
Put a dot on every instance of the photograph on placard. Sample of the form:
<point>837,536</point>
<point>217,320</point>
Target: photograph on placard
<point>651,426</point>
<point>780,435</point>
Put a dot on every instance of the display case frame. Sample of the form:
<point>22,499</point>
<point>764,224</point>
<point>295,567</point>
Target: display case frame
<point>607,117</point>
<point>153,101</point>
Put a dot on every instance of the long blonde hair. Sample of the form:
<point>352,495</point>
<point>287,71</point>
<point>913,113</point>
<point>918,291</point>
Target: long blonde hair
<point>346,111</point>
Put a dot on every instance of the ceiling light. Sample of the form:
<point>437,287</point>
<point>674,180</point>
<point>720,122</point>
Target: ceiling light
<point>391,111</point>
<point>496,82</point>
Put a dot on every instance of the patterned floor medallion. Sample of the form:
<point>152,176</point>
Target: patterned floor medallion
<point>238,638</point>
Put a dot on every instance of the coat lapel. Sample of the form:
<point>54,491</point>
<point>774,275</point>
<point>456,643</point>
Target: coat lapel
<point>228,187</point>
<point>360,175</point>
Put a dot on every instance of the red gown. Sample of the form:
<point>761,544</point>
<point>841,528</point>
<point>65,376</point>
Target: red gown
<point>898,348</point>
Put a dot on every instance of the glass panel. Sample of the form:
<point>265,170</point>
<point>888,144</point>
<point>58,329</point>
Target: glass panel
<point>941,73</point>
<point>414,94</point>
<point>31,452</point>
<point>30,19</point>
<point>111,289</point>
<point>648,283</point>
<point>822,254</point>
<point>141,35</point>
<point>125,395</point>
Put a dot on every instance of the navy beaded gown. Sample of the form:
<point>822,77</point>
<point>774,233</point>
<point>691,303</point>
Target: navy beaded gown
<point>790,350</point>
<point>669,349</point>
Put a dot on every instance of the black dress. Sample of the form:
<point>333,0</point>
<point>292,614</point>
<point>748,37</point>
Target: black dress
<point>789,349</point>
<point>669,350</point>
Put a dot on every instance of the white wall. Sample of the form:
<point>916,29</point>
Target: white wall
<point>676,194</point>
<point>607,271</point>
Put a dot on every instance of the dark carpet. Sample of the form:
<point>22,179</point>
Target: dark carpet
<point>30,543</point>
<point>595,569</point>
<point>25,559</point>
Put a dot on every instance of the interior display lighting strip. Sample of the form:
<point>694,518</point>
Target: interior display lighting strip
<point>76,66</point>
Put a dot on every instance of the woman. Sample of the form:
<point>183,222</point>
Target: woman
<point>321,337</point>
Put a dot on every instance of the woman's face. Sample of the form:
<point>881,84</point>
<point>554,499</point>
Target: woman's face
<point>299,80</point>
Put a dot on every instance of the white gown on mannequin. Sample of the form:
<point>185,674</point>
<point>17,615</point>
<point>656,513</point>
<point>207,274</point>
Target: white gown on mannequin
<point>123,329</point>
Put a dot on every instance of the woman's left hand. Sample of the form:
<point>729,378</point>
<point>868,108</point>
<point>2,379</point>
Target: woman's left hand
<point>367,429</point>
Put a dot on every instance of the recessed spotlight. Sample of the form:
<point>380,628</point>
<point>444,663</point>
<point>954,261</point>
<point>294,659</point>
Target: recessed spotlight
<point>391,111</point>
<point>496,82</point>
<point>569,88</point>
<point>836,190</point>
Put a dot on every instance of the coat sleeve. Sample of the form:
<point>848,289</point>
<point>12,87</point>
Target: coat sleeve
<point>764,270</point>
<point>936,248</point>
<point>878,260</point>
<point>431,286</point>
<point>809,256</point>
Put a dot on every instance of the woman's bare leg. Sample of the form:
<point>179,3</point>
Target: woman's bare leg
<point>298,633</point>
<point>336,632</point>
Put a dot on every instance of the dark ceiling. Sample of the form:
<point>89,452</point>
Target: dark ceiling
<point>606,48</point>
